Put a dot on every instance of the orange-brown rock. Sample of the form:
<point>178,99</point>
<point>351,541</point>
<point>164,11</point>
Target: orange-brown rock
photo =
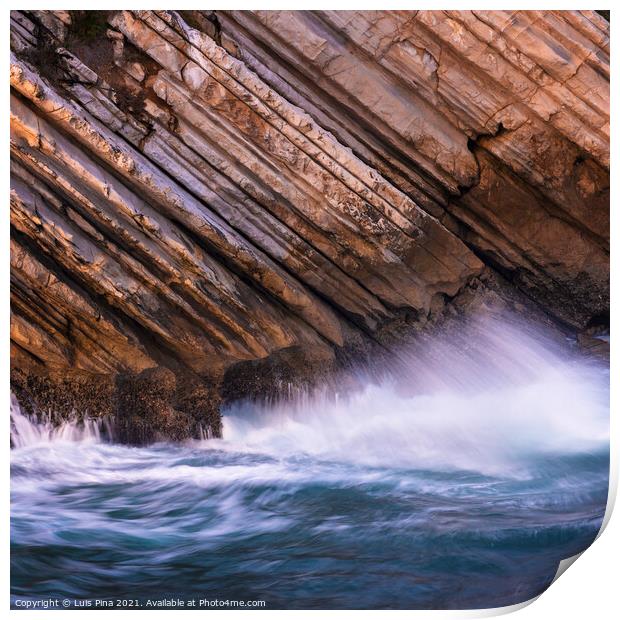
<point>197,191</point>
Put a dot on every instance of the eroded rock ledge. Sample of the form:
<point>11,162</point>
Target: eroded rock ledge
<point>226,203</point>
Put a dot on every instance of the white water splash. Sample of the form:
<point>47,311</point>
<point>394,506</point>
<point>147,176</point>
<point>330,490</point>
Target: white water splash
<point>490,401</point>
<point>29,432</point>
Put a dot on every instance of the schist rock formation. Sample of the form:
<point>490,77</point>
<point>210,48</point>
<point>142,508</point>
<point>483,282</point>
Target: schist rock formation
<point>210,205</point>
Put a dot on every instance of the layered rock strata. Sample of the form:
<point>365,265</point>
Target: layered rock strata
<point>199,197</point>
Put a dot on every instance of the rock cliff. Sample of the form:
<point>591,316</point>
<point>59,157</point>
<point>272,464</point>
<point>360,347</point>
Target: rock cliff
<point>222,203</point>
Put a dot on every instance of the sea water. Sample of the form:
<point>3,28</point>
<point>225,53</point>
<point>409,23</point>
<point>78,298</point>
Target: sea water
<point>458,481</point>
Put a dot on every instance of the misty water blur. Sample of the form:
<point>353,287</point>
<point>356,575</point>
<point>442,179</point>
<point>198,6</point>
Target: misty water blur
<point>485,399</point>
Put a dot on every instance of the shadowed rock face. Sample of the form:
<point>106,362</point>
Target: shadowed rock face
<point>262,197</point>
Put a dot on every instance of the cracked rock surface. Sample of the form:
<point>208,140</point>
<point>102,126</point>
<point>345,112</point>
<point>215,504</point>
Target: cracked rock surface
<point>193,192</point>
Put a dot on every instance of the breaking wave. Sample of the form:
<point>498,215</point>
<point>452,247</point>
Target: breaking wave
<point>459,480</point>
